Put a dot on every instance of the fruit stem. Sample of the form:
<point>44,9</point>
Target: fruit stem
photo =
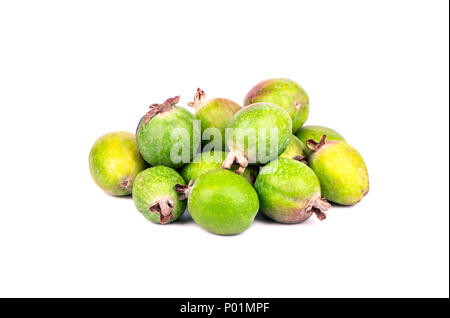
<point>164,207</point>
<point>199,99</point>
<point>312,145</point>
<point>320,215</point>
<point>239,158</point>
<point>301,159</point>
<point>160,108</point>
<point>319,206</point>
<point>184,190</point>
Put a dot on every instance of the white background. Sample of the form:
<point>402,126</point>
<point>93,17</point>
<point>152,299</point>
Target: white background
<point>70,71</point>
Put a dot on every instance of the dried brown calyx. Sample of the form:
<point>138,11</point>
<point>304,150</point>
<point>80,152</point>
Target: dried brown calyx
<point>161,108</point>
<point>125,184</point>
<point>314,146</point>
<point>301,159</point>
<point>199,99</point>
<point>239,158</point>
<point>164,208</point>
<point>183,190</point>
<point>158,109</point>
<point>318,206</point>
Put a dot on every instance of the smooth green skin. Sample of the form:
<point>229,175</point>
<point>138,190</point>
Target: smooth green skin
<point>114,158</point>
<point>285,187</point>
<point>212,160</point>
<point>154,184</point>
<point>260,116</point>
<point>315,132</point>
<point>154,138</point>
<point>295,148</point>
<point>216,113</point>
<point>223,202</point>
<point>283,92</point>
<point>341,171</point>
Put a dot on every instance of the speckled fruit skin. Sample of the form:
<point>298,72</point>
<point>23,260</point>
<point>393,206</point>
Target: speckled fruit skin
<point>285,93</point>
<point>154,138</point>
<point>114,162</point>
<point>212,160</point>
<point>314,132</point>
<point>256,116</point>
<point>285,188</point>
<point>154,184</point>
<point>223,202</point>
<point>341,171</point>
<point>295,148</point>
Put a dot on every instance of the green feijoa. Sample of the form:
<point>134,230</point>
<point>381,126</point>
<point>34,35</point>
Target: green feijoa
<point>166,135</point>
<point>257,134</point>
<point>212,160</point>
<point>294,149</point>
<point>285,93</point>
<point>155,197</point>
<point>315,132</point>
<point>215,115</point>
<point>222,202</point>
<point>114,162</point>
<point>289,191</point>
<point>340,169</point>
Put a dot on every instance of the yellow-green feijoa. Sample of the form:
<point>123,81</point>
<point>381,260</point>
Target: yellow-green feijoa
<point>257,134</point>
<point>289,191</point>
<point>166,135</point>
<point>295,149</point>
<point>114,162</point>
<point>315,132</point>
<point>221,202</point>
<point>340,169</point>
<point>155,197</point>
<point>215,115</point>
<point>285,93</point>
<point>212,160</point>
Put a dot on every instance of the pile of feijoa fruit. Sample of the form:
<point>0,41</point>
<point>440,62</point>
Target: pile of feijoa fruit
<point>224,163</point>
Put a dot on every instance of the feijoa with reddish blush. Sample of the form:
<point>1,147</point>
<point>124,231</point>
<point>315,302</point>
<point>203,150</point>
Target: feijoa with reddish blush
<point>257,134</point>
<point>289,191</point>
<point>284,93</point>
<point>114,162</point>
<point>221,202</point>
<point>155,197</point>
<point>215,115</point>
<point>340,169</point>
<point>166,135</point>
<point>315,132</point>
